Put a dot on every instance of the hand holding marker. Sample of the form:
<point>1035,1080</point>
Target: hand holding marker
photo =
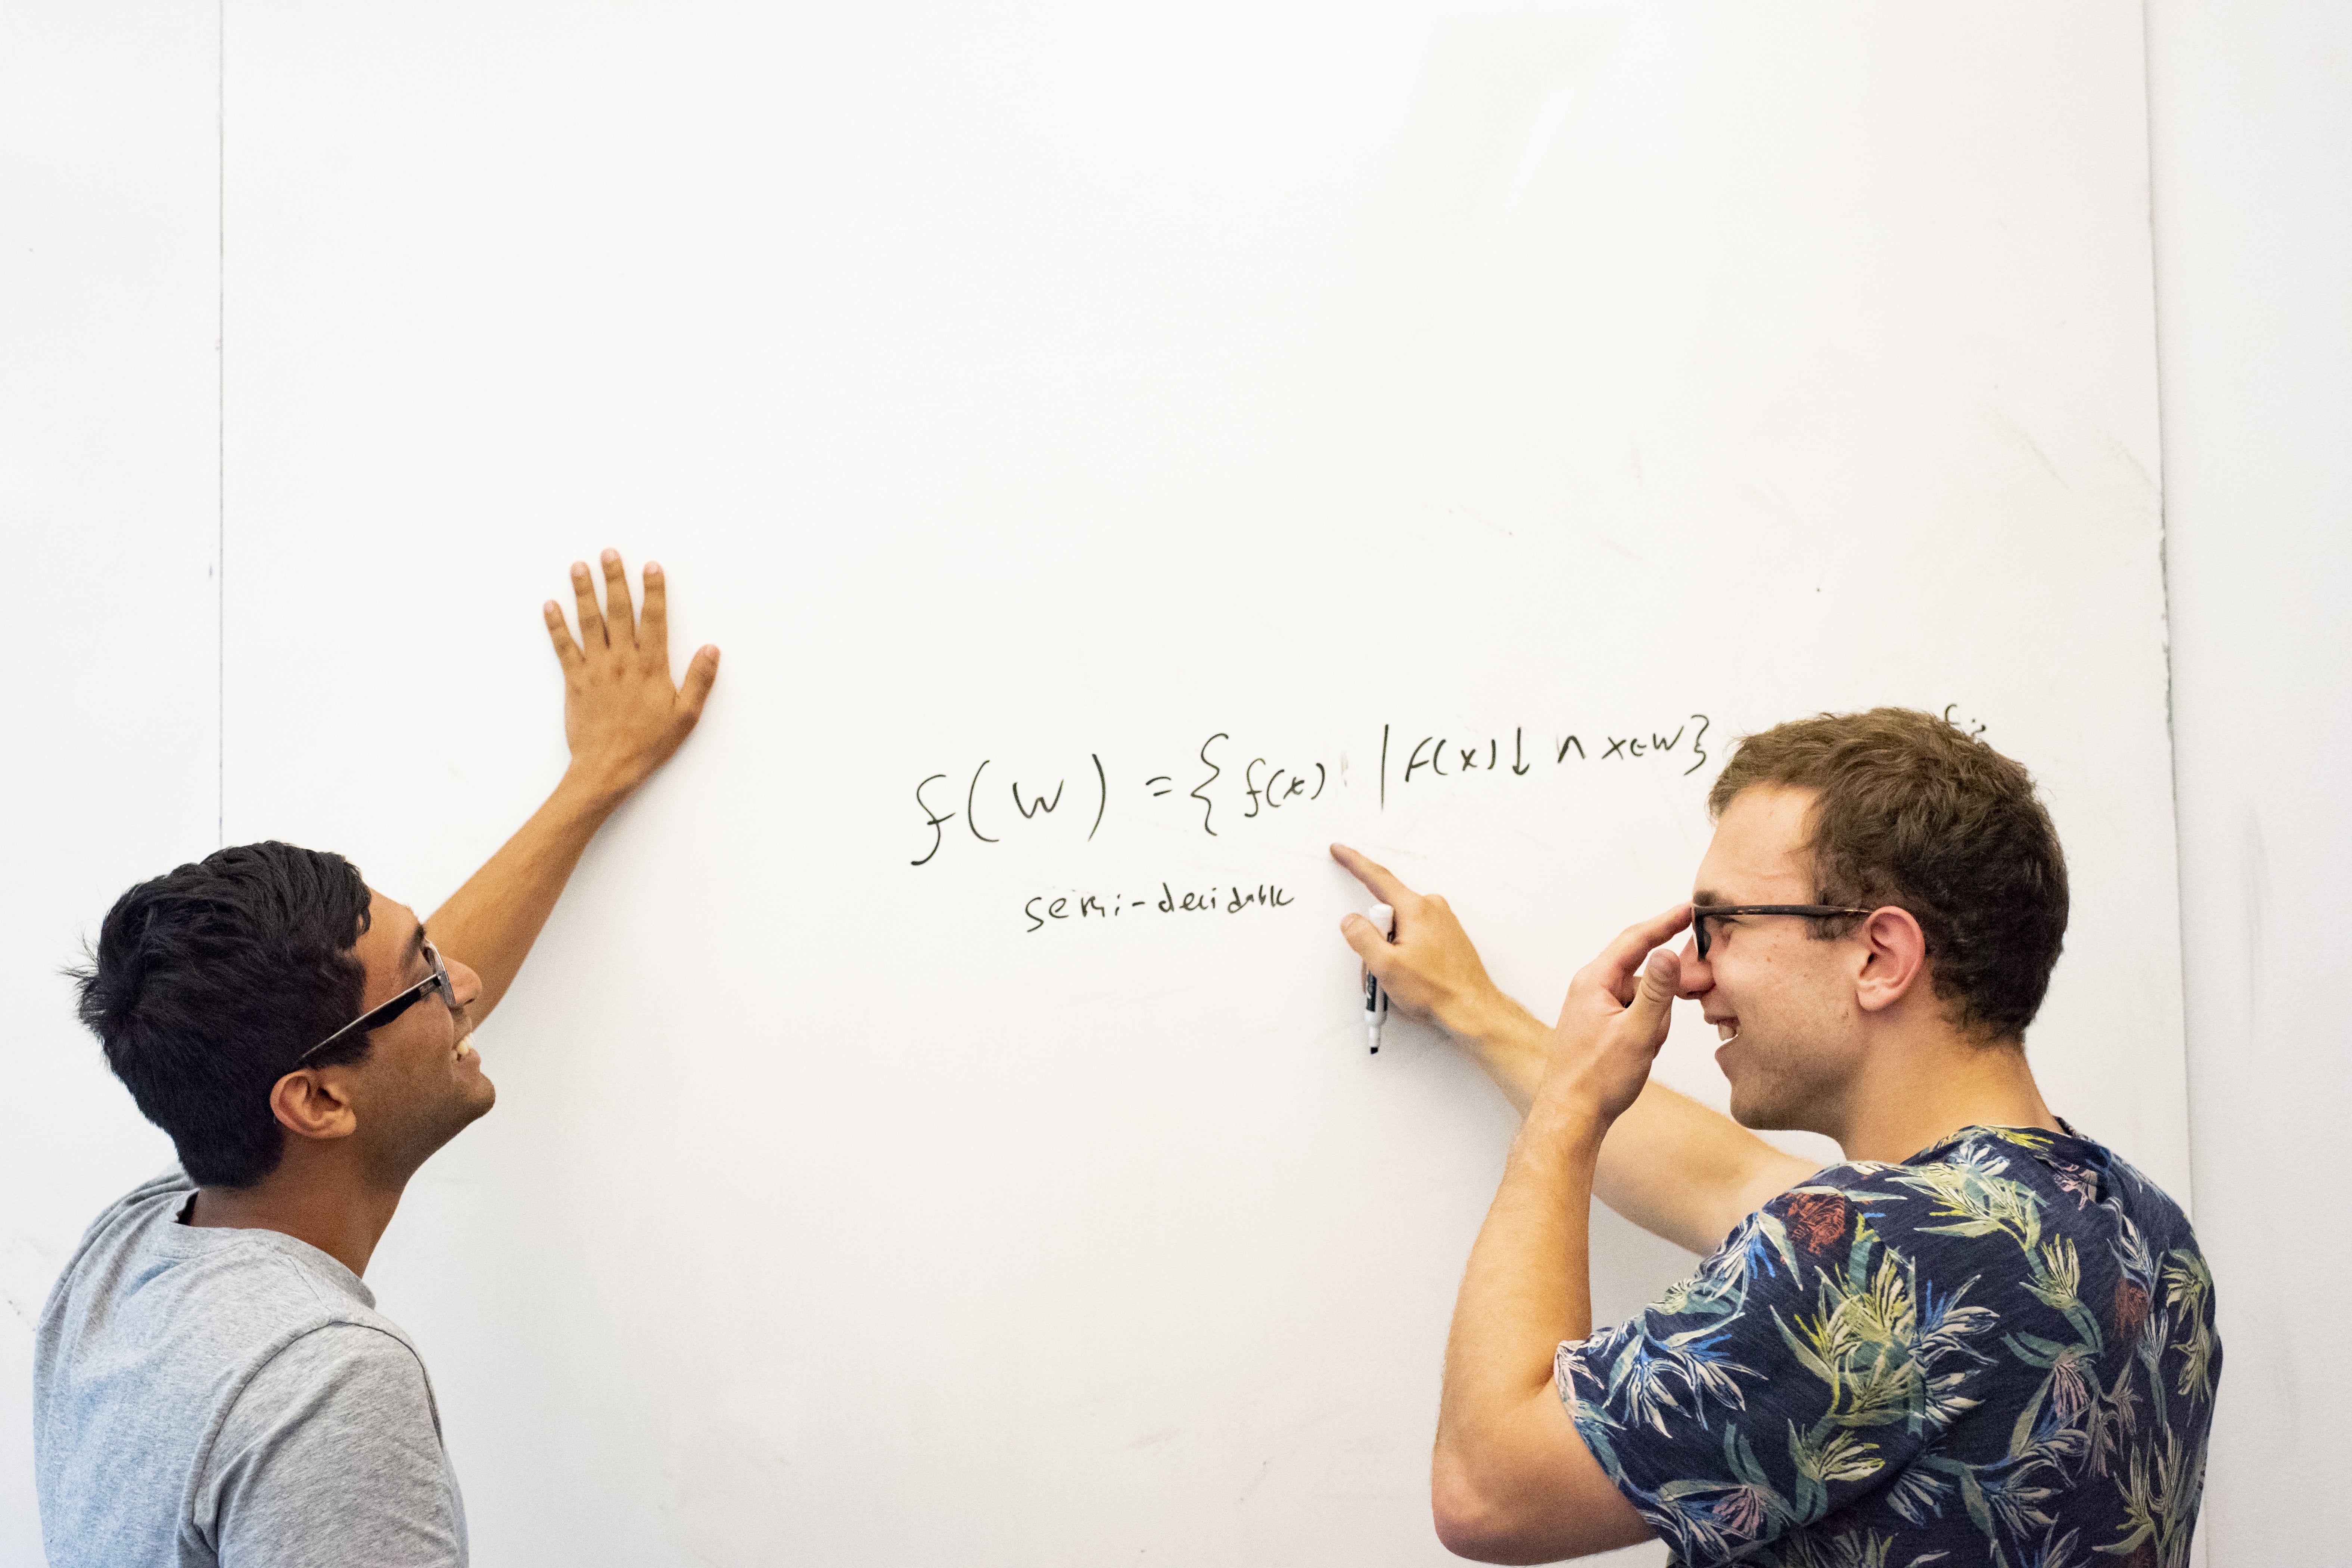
<point>1376,1001</point>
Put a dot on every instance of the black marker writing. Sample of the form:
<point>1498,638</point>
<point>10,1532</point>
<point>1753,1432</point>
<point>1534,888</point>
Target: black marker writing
<point>1038,803</point>
<point>972,820</point>
<point>932,819</point>
<point>1701,759</point>
<point>1228,899</point>
<point>1208,808</point>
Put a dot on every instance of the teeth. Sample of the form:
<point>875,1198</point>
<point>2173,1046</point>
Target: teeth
<point>465,1047</point>
<point>1727,1032</point>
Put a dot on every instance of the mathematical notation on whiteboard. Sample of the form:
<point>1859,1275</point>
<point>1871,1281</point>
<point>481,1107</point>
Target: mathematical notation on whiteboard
<point>1226,784</point>
<point>1224,898</point>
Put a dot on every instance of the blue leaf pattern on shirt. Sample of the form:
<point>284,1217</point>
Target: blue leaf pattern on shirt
<point>1999,1352</point>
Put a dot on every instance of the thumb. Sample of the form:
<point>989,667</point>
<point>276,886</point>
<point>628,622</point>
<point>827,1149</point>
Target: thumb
<point>1364,937</point>
<point>1652,1008</point>
<point>702,675</point>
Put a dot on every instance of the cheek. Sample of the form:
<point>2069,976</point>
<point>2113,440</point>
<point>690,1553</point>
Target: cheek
<point>423,1058</point>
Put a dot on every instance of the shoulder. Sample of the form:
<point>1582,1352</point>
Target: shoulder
<point>158,1197</point>
<point>367,1371</point>
<point>1981,1185</point>
<point>339,1423</point>
<point>193,1308</point>
<point>115,1249</point>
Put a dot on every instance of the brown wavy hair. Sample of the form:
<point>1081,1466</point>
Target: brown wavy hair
<point>1912,812</point>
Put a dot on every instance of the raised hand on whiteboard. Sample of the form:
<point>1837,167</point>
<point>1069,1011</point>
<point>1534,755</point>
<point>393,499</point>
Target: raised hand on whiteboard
<point>622,718</point>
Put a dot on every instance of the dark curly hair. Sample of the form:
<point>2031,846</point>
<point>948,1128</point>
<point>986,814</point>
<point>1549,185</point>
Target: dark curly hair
<point>1913,812</point>
<point>209,980</point>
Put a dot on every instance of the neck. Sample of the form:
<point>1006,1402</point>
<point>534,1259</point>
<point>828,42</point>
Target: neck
<point>322,1200</point>
<point>1925,1085</point>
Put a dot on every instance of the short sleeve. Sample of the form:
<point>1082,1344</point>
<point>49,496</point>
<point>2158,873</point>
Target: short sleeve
<point>332,1456</point>
<point>1784,1380</point>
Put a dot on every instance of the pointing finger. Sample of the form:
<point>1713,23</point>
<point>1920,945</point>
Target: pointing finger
<point>1385,884</point>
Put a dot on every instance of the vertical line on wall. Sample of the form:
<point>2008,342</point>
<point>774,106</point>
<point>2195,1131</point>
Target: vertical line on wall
<point>2188,1200</point>
<point>220,420</point>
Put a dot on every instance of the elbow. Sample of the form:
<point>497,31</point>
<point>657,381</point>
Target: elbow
<point>1471,1523</point>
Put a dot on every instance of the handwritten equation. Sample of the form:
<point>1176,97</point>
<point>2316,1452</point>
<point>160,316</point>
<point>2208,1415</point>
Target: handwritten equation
<point>1441,754</point>
<point>1224,784</point>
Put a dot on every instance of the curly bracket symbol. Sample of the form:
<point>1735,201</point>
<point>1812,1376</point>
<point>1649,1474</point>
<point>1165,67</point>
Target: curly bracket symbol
<point>1698,744</point>
<point>1208,808</point>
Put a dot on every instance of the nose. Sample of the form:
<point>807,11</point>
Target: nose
<point>463,980</point>
<point>1699,976</point>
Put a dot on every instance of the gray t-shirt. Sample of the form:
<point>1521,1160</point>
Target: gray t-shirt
<point>230,1397</point>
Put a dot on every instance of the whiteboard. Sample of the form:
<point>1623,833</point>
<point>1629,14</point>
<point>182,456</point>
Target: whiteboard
<point>1243,427</point>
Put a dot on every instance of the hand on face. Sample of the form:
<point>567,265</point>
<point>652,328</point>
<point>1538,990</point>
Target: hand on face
<point>1618,1009</point>
<point>1431,971</point>
<point>622,716</point>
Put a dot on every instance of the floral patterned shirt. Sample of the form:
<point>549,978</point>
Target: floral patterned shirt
<point>1998,1352</point>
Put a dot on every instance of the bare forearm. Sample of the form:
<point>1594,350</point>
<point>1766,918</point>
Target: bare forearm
<point>491,922</point>
<point>1505,1039</point>
<point>1683,1171</point>
<point>1671,1165</point>
<point>1528,1285</point>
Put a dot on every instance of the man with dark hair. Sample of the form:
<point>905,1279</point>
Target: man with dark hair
<point>212,1382</point>
<point>1984,1338</point>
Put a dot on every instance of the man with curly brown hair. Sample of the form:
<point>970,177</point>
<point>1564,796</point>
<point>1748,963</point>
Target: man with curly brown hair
<point>1982,1338</point>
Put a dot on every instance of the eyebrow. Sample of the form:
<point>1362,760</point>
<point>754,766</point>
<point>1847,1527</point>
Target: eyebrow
<point>416,947</point>
<point>1708,896</point>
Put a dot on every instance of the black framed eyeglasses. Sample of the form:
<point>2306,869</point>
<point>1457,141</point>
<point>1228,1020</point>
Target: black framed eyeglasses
<point>377,1017</point>
<point>1702,913</point>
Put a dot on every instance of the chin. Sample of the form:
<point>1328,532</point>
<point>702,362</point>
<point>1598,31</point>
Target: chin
<point>1758,1114</point>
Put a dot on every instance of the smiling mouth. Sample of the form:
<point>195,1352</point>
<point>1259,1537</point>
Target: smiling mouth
<point>466,1045</point>
<point>1726,1030</point>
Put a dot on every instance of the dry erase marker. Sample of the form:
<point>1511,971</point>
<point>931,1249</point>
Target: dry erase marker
<point>1376,1001</point>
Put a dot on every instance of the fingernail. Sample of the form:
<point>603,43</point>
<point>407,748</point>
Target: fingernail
<point>610,556</point>
<point>652,568</point>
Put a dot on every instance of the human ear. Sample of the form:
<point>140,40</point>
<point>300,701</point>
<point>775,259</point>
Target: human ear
<point>309,1104</point>
<point>1894,954</point>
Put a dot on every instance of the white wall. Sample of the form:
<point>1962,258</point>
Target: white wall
<point>109,766</point>
<point>1090,429</point>
<point>2251,142</point>
<point>106,423</point>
